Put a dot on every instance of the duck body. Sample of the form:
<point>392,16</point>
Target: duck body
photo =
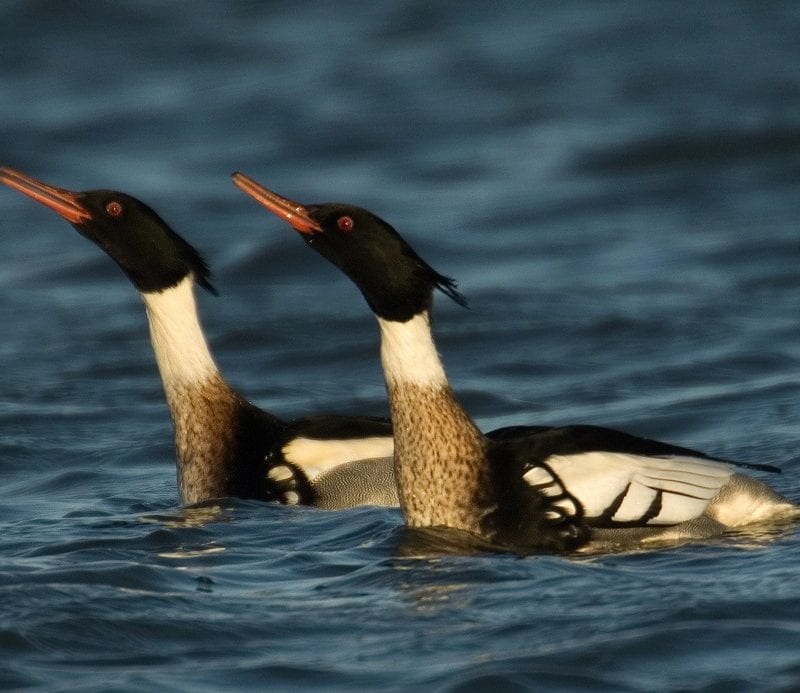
<point>632,491</point>
<point>522,487</point>
<point>225,445</point>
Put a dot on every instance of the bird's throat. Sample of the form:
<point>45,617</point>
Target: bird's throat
<point>440,455</point>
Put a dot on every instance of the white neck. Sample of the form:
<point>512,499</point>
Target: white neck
<point>408,353</point>
<point>178,341</point>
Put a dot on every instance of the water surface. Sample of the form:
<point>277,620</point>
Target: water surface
<point>614,185</point>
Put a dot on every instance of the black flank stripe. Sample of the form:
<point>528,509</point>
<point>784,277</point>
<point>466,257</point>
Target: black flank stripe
<point>654,509</point>
<point>605,520</point>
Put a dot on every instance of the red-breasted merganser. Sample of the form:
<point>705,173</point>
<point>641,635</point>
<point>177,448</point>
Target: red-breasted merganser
<point>523,487</point>
<point>226,446</point>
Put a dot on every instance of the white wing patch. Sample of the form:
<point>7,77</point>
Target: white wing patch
<point>315,457</point>
<point>623,488</point>
<point>547,484</point>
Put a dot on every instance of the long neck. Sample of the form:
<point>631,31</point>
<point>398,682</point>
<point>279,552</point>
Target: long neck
<point>179,344</point>
<point>202,404</point>
<point>440,455</point>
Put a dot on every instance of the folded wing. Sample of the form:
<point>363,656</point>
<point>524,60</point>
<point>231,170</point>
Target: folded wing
<point>622,489</point>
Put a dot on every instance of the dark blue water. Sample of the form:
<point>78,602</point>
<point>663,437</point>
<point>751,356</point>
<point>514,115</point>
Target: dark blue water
<point>615,185</point>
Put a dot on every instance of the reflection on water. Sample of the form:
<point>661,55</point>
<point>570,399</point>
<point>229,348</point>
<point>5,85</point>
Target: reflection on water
<point>193,516</point>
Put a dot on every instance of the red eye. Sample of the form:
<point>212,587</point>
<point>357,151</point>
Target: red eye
<point>114,208</point>
<point>345,223</point>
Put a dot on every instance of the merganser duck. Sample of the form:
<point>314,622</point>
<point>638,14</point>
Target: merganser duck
<point>226,446</point>
<point>528,488</point>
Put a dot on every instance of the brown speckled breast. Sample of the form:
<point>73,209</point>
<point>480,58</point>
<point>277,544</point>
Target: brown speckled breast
<point>440,459</point>
<point>204,416</point>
